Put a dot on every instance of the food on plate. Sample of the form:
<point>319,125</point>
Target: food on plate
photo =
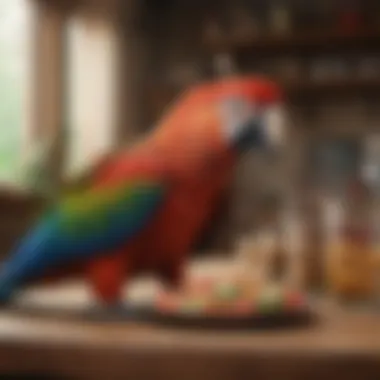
<point>230,298</point>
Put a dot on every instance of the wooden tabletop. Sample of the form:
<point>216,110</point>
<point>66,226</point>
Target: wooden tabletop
<point>342,343</point>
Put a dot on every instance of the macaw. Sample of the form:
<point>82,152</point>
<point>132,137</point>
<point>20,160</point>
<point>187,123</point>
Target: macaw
<point>143,207</point>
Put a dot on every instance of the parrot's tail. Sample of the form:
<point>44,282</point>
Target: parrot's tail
<point>7,287</point>
<point>25,260</point>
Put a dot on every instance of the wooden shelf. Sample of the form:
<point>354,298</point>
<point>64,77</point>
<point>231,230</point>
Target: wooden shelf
<point>344,87</point>
<point>294,90</point>
<point>308,42</point>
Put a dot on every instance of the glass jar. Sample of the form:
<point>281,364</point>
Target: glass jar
<point>348,244</point>
<point>255,254</point>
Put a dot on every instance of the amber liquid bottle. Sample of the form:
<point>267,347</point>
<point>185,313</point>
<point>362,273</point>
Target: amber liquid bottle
<point>349,253</point>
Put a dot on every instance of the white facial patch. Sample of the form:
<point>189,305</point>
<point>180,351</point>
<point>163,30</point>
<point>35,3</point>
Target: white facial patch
<point>236,112</point>
<point>275,125</point>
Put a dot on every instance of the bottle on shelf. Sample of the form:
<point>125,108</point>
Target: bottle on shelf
<point>280,18</point>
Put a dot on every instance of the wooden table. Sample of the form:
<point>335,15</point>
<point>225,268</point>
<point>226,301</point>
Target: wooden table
<point>342,345</point>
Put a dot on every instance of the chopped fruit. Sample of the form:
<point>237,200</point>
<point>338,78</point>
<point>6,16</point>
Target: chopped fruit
<point>227,292</point>
<point>192,307</point>
<point>203,296</point>
<point>270,301</point>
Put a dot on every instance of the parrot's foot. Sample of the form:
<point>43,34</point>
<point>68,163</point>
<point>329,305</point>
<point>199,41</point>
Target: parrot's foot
<point>112,313</point>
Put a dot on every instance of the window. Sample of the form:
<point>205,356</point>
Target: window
<point>91,83</point>
<point>15,17</point>
<point>91,96</point>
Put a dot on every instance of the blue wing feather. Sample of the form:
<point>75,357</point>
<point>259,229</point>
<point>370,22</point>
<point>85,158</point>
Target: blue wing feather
<point>66,235</point>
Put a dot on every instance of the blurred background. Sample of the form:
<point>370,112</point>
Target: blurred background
<point>80,78</point>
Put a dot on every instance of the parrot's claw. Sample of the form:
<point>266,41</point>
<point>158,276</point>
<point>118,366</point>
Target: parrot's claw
<point>111,313</point>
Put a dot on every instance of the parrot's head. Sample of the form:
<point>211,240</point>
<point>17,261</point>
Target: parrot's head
<point>253,115</point>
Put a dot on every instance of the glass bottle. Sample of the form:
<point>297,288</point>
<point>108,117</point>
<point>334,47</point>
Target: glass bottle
<point>348,244</point>
<point>294,245</point>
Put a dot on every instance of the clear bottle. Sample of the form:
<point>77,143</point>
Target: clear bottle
<point>294,245</point>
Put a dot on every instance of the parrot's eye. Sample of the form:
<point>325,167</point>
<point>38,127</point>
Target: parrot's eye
<point>237,114</point>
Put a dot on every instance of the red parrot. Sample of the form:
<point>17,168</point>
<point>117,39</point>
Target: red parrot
<point>145,207</point>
